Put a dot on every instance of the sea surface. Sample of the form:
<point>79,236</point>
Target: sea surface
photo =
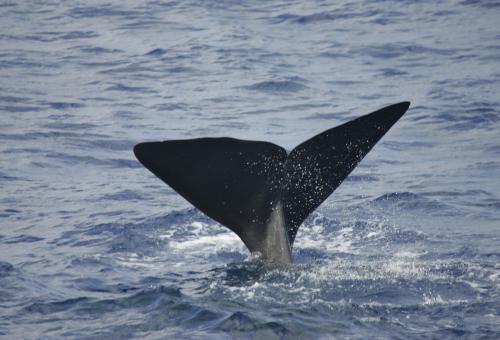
<point>94,246</point>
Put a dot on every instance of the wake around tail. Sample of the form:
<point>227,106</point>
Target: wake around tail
<point>258,190</point>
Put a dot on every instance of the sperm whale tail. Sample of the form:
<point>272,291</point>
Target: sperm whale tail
<point>258,190</point>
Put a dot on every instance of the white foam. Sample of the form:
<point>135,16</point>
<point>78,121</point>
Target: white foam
<point>133,260</point>
<point>407,254</point>
<point>433,299</point>
<point>341,243</point>
<point>219,241</point>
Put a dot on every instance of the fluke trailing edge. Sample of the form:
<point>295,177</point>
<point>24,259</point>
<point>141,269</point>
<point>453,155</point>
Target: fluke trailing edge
<point>257,189</point>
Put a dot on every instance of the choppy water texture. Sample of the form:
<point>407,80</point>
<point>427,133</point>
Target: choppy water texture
<point>93,245</point>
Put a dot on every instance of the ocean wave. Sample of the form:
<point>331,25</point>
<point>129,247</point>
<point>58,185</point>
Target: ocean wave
<point>240,323</point>
<point>22,239</point>
<point>277,86</point>
<point>411,201</point>
<point>5,268</point>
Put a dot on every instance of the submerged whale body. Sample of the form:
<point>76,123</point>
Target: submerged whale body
<point>257,189</point>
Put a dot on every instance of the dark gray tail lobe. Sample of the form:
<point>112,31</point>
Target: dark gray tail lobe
<point>252,187</point>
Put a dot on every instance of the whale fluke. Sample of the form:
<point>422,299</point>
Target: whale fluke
<point>258,190</point>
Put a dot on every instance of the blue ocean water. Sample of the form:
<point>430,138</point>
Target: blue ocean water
<point>92,245</point>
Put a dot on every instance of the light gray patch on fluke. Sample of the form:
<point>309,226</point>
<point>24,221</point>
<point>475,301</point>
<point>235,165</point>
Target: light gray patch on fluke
<point>258,190</point>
